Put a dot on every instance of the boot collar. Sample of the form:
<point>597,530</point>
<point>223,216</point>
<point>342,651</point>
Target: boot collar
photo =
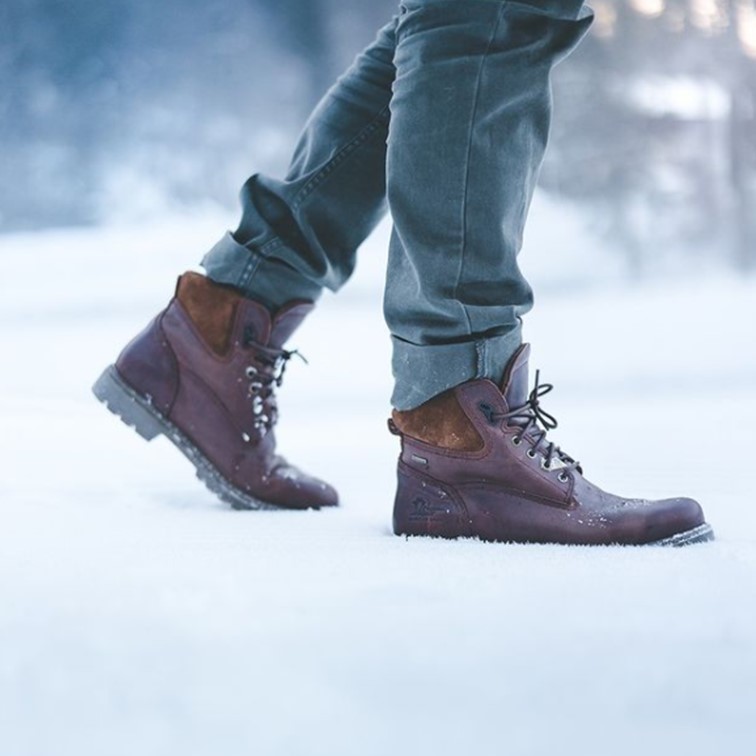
<point>514,383</point>
<point>254,323</point>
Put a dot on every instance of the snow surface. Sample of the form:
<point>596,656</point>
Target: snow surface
<point>138,615</point>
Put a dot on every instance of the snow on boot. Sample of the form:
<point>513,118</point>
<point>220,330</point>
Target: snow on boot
<point>203,373</point>
<point>476,462</point>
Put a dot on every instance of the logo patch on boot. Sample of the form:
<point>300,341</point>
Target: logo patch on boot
<point>422,508</point>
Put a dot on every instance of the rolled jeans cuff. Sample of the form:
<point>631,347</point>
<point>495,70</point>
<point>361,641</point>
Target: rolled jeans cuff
<point>423,371</point>
<point>566,9</point>
<point>260,277</point>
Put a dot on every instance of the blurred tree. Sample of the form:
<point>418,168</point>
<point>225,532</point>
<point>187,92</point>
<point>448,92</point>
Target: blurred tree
<point>742,133</point>
<point>645,134</point>
<point>303,29</point>
<point>56,79</point>
<point>158,101</point>
<point>178,101</point>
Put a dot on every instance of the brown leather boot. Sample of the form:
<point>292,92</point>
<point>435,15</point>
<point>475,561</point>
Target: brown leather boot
<point>475,462</point>
<point>203,373</point>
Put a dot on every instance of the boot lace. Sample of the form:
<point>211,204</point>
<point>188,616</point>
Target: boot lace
<point>533,424</point>
<point>265,373</point>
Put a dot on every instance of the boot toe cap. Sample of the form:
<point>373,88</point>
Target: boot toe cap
<point>322,495</point>
<point>291,488</point>
<point>669,517</point>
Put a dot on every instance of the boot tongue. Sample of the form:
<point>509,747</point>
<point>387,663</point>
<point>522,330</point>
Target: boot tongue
<point>286,321</point>
<point>514,384</point>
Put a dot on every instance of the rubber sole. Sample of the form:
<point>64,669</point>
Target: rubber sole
<point>138,413</point>
<point>701,534</point>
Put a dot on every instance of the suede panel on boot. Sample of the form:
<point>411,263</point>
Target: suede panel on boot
<point>211,306</point>
<point>440,422</point>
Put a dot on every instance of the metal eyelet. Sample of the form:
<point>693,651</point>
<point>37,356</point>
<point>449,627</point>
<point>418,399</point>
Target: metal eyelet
<point>563,477</point>
<point>531,453</point>
<point>250,371</point>
<point>516,440</point>
<point>545,465</point>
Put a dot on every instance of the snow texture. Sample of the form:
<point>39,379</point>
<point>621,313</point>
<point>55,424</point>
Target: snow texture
<point>138,615</point>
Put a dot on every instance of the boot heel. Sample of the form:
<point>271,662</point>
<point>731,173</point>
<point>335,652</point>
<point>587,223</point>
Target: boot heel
<point>425,507</point>
<point>132,409</point>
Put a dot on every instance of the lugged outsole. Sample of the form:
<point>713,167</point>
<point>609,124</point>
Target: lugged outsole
<point>701,534</point>
<point>138,413</point>
<point>445,517</point>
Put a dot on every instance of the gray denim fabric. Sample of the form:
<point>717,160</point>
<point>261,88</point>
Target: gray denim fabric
<point>444,119</point>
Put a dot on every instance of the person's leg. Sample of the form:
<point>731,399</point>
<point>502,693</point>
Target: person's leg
<point>469,124</point>
<point>470,119</point>
<point>205,370</point>
<point>300,234</point>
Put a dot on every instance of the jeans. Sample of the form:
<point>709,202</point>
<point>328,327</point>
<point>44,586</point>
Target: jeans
<point>443,120</point>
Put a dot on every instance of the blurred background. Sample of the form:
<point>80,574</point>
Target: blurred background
<point>138,615</point>
<point>132,109</point>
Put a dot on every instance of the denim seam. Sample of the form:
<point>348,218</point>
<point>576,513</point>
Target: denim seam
<point>256,257</point>
<point>480,349</point>
<point>547,12</point>
<point>261,253</point>
<point>476,100</point>
<point>249,268</point>
<point>412,5</point>
<point>270,245</point>
<point>361,137</point>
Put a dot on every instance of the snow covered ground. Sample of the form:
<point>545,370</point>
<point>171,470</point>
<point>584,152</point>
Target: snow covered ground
<point>138,615</point>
